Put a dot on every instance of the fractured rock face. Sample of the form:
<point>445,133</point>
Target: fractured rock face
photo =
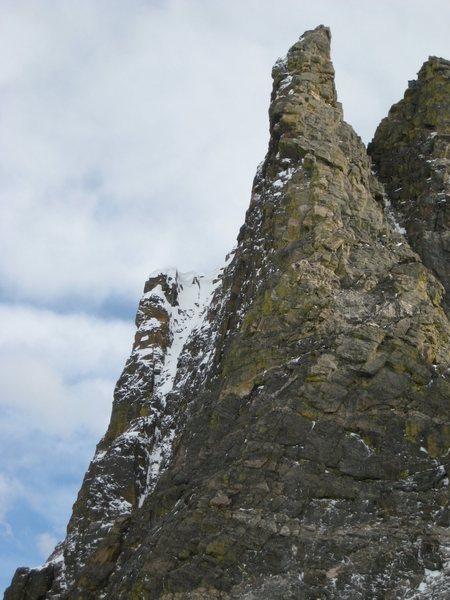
<point>302,419</point>
<point>411,151</point>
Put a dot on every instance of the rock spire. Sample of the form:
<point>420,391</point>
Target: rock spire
<point>285,433</point>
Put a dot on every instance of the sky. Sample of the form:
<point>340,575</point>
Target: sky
<point>130,133</point>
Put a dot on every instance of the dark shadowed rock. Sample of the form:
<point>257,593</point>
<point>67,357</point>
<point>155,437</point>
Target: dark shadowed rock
<point>299,421</point>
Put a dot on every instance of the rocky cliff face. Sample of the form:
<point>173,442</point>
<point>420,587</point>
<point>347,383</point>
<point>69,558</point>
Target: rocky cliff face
<point>280,430</point>
<point>411,151</point>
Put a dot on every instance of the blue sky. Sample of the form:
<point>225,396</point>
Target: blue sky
<point>130,135</point>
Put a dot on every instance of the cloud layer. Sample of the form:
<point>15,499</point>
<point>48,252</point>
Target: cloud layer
<point>130,134</point>
<point>57,374</point>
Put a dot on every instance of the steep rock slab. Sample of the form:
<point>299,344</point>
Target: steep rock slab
<point>411,152</point>
<point>138,443</point>
<point>310,453</point>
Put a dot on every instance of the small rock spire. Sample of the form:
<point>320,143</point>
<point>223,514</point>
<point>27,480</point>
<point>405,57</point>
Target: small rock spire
<point>308,67</point>
<point>303,83</point>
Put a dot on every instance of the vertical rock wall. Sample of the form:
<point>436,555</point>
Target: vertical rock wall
<point>411,152</point>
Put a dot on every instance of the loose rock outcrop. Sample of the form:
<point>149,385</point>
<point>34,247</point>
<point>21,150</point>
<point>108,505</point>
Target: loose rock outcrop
<point>281,429</point>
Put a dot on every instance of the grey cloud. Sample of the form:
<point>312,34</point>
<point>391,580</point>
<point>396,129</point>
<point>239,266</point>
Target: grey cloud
<point>131,135</point>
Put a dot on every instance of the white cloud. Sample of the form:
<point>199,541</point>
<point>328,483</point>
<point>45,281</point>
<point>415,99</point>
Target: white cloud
<point>45,543</point>
<point>10,489</point>
<point>57,376</point>
<point>59,370</point>
<point>119,156</point>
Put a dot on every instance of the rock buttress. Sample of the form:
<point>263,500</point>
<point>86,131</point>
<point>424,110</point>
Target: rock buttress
<point>411,152</point>
<point>310,454</point>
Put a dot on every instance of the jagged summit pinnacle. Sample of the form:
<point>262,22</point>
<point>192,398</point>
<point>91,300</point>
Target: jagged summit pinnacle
<point>280,431</point>
<point>315,41</point>
<point>309,65</point>
<point>304,77</point>
<point>436,64</point>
